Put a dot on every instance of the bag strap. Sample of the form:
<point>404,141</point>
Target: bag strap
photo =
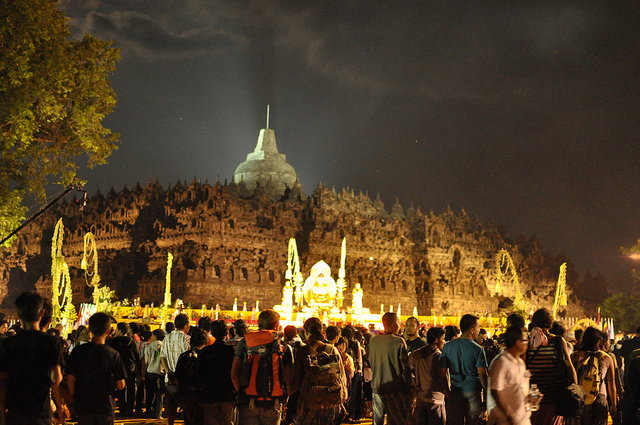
<point>533,356</point>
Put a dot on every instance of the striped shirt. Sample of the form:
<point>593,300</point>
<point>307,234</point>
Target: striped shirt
<point>545,372</point>
<point>174,344</point>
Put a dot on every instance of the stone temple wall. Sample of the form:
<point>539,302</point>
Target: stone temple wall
<point>229,243</point>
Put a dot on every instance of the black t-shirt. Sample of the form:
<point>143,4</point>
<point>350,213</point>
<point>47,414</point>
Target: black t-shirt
<point>96,368</point>
<point>214,373</point>
<point>413,345</point>
<point>27,359</point>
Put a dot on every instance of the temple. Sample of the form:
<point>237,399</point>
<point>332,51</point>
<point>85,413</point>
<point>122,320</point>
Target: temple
<point>230,241</point>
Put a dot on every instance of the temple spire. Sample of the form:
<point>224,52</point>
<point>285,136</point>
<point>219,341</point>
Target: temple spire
<point>267,117</point>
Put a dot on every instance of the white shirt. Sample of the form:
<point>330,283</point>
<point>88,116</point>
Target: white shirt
<point>509,375</point>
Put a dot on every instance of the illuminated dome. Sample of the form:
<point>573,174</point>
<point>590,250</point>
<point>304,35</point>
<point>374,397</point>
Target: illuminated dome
<point>266,165</point>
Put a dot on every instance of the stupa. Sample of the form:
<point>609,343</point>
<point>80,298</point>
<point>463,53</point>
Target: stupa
<point>266,166</point>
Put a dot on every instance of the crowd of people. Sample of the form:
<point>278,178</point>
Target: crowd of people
<point>318,375</point>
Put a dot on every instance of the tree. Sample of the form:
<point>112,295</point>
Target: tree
<point>625,309</point>
<point>54,94</point>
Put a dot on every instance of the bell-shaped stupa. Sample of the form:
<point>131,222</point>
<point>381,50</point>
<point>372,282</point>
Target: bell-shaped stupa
<point>266,166</point>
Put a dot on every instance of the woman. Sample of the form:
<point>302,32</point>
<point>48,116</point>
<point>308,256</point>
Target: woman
<point>595,413</point>
<point>545,367</point>
<point>320,378</point>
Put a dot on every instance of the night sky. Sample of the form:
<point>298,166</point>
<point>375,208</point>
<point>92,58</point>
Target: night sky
<point>526,113</point>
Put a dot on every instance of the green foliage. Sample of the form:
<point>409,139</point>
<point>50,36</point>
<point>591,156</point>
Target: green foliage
<point>54,94</point>
<point>625,310</point>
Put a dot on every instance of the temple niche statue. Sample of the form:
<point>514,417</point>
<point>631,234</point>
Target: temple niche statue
<point>320,289</point>
<point>287,296</point>
<point>356,298</point>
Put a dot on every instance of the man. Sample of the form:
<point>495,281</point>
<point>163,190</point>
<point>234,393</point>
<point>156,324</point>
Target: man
<point>173,345</point>
<point>204,324</point>
<point>411,335</point>
<point>628,346</point>
<point>239,329</point>
<point>391,382</point>
<point>153,375</point>
<point>467,366</point>
<point>128,350</point>
<point>187,377</point>
<point>429,394</point>
<point>264,409</point>
<point>29,367</point>
<point>92,371</point>
<point>508,379</point>
<point>214,372</point>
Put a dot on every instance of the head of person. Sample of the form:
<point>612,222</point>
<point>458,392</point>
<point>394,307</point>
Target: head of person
<point>198,339</point>
<point>204,324</point>
<point>391,323</point>
<point>411,327</point>
<point>100,324</point>
<point>451,332</point>
<point>515,319</point>
<point>349,332</point>
<point>29,305</point>
<point>47,315</point>
<point>84,334</point>
<point>240,328</point>
<point>591,338</point>
<point>341,344</point>
<point>578,334</point>
<point>182,322</point>
<point>435,337</point>
<point>134,327</point>
<point>332,332</point>
<point>4,326</point>
<point>516,340</point>
<point>313,330</point>
<point>268,320</point>
<point>158,334</point>
<point>290,332</point>
<point>169,327</point>
<point>482,335</point>
<point>122,329</point>
<point>557,328</point>
<point>542,319</point>
<point>145,335</point>
<point>470,325</point>
<point>219,330</point>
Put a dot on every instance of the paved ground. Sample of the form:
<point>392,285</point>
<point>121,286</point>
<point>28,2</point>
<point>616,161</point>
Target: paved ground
<point>140,421</point>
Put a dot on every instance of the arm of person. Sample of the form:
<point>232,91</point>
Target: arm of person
<point>571,372</point>
<point>56,375</point>
<point>164,363</point>
<point>445,383</point>
<point>498,412</point>
<point>611,387</point>
<point>56,379</point>
<point>235,373</point>
<point>482,373</point>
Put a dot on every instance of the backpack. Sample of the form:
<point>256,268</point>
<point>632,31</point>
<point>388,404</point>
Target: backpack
<point>353,350</point>
<point>261,375</point>
<point>187,374</point>
<point>324,382</point>
<point>589,375</point>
